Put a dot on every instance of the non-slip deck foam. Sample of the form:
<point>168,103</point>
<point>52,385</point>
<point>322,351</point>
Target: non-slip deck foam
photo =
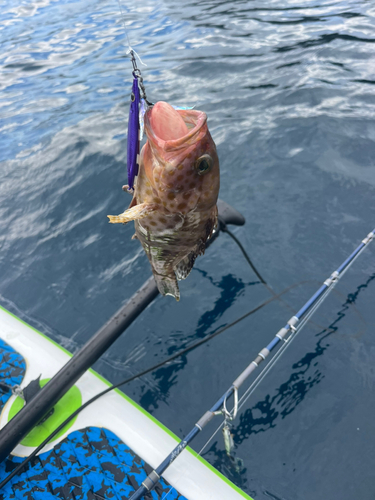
<point>89,464</point>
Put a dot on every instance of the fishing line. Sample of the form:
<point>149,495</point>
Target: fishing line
<point>224,228</point>
<point>123,22</point>
<point>254,385</point>
<point>130,48</point>
<point>19,468</point>
<point>300,319</point>
<point>286,344</point>
<point>169,359</point>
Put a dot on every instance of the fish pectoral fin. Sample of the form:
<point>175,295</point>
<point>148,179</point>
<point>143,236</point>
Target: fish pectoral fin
<point>133,213</point>
<point>185,265</point>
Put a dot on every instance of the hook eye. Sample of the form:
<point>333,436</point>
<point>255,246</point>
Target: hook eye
<point>132,97</point>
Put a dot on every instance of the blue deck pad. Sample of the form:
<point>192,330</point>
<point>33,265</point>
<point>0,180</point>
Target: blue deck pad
<point>89,464</point>
<point>12,370</point>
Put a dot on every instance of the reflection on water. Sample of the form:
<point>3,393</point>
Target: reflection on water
<point>165,377</point>
<point>289,91</point>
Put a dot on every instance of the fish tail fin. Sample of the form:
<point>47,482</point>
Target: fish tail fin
<point>167,285</point>
<point>133,213</point>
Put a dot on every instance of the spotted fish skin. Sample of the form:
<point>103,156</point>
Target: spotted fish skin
<point>174,202</point>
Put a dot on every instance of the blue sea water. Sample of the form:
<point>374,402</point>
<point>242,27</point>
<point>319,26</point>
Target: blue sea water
<point>289,90</point>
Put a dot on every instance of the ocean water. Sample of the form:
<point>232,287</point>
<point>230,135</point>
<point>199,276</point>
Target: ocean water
<point>289,90</point>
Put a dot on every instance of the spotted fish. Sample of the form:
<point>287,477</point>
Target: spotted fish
<point>174,202</point>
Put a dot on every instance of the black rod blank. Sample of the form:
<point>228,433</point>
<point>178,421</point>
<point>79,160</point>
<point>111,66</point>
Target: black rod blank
<point>29,416</point>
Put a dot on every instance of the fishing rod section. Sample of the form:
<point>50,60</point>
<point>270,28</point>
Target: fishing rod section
<point>40,405</point>
<point>229,215</point>
<point>285,335</point>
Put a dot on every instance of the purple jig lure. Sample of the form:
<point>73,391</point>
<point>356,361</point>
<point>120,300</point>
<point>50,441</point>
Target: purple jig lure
<point>138,107</point>
<point>133,135</point>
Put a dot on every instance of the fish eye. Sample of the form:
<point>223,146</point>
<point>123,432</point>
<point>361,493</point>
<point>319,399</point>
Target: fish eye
<point>203,164</point>
<point>132,97</point>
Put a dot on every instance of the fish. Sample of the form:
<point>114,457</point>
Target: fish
<point>175,193</point>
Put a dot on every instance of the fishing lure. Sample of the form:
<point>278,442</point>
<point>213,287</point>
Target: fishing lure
<point>229,448</point>
<point>137,111</point>
<point>228,439</point>
<point>133,135</point>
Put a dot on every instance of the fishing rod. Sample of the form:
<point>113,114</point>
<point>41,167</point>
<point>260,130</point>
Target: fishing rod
<point>285,335</point>
<point>40,405</point>
<point>5,388</point>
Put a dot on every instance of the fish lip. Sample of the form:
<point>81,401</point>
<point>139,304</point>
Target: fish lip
<point>198,118</point>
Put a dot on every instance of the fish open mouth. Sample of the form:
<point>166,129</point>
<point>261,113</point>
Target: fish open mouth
<point>190,126</point>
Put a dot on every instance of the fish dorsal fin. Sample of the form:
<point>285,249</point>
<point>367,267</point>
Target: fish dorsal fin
<point>185,265</point>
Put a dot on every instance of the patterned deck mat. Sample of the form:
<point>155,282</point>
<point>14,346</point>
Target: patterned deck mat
<point>91,463</point>
<point>12,371</point>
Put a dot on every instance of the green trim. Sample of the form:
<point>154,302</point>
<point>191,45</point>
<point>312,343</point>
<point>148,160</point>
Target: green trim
<point>218,473</point>
<point>69,403</point>
<point>176,438</point>
<point>139,408</point>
